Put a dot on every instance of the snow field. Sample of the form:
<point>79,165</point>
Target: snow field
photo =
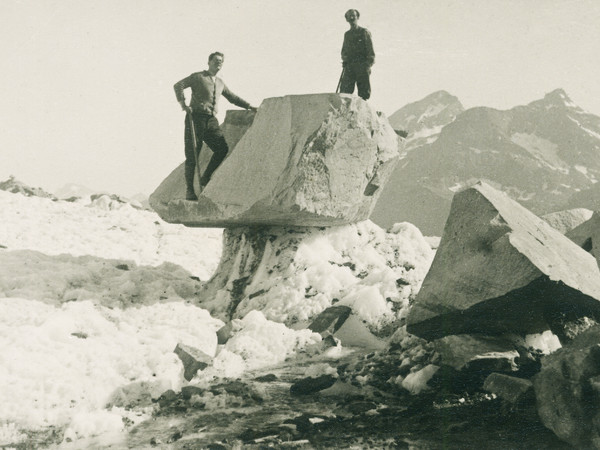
<point>96,295</point>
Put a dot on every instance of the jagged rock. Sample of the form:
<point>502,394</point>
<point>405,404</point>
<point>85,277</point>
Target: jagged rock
<point>566,391</point>
<point>314,160</point>
<point>565,221</point>
<point>499,268</point>
<point>193,360</point>
<point>587,236</point>
<point>330,320</point>
<point>478,352</point>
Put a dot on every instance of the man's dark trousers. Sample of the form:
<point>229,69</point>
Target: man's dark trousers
<point>356,73</point>
<point>207,130</point>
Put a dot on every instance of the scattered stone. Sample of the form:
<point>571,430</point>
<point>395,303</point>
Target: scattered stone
<point>188,391</point>
<point>322,160</point>
<point>330,320</point>
<point>515,391</point>
<point>266,378</point>
<point>566,391</point>
<point>311,385</point>
<point>193,360</point>
<point>501,269</point>
<point>166,398</point>
<point>224,333</point>
<point>483,352</point>
<point>79,335</point>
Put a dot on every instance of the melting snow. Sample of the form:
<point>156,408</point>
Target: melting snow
<point>95,297</point>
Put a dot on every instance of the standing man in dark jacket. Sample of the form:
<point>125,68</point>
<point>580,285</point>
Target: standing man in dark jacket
<point>206,91</point>
<point>357,57</point>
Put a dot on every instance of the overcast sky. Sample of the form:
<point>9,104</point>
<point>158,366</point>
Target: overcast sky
<point>86,86</point>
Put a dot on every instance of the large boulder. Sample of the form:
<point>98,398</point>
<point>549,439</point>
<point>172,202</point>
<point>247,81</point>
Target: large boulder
<point>498,269</point>
<point>307,160</point>
<point>567,391</point>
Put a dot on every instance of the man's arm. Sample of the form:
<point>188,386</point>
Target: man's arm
<point>238,101</point>
<point>370,53</point>
<point>179,87</point>
<point>345,49</point>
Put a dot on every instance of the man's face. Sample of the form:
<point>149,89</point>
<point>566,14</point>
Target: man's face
<point>215,63</point>
<point>351,17</point>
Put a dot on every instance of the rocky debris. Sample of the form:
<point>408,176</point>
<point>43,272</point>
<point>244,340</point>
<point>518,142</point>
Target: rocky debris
<point>587,234</point>
<point>567,391</point>
<point>565,221</point>
<point>501,269</point>
<point>17,187</point>
<point>193,360</point>
<point>515,391</point>
<point>306,160</point>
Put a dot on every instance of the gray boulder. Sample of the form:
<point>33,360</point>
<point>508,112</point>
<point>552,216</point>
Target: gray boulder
<point>587,236</point>
<point>567,391</point>
<point>193,360</point>
<point>307,160</point>
<point>501,269</point>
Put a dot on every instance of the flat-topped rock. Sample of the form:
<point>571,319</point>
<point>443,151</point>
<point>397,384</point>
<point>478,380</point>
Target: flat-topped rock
<point>501,269</point>
<point>306,160</point>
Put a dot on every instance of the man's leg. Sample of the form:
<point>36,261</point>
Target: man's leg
<point>214,138</point>
<point>363,82</point>
<point>348,80</point>
<point>190,156</point>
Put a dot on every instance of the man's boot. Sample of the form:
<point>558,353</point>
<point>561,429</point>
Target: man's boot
<point>190,194</point>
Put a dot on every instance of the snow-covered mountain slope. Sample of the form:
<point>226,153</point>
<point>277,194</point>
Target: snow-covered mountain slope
<point>423,120</point>
<point>540,154</point>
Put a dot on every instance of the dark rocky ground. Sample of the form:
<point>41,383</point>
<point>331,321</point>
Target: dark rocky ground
<point>262,413</point>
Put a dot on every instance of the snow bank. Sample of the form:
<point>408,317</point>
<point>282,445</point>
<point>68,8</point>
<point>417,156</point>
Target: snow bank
<point>93,228</point>
<point>57,363</point>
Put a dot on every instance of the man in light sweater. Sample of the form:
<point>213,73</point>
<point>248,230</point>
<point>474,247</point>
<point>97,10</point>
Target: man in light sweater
<point>357,57</point>
<point>207,89</point>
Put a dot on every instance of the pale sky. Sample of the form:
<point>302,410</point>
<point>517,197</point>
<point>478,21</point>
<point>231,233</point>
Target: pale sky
<point>86,86</point>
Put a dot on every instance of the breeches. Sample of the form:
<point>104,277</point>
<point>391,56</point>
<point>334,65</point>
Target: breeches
<point>207,130</point>
<point>356,73</point>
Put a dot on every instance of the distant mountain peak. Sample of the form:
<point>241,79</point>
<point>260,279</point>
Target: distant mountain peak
<point>559,97</point>
<point>423,120</point>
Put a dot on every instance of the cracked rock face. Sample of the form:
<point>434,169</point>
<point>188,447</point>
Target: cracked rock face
<point>501,269</point>
<point>306,160</point>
